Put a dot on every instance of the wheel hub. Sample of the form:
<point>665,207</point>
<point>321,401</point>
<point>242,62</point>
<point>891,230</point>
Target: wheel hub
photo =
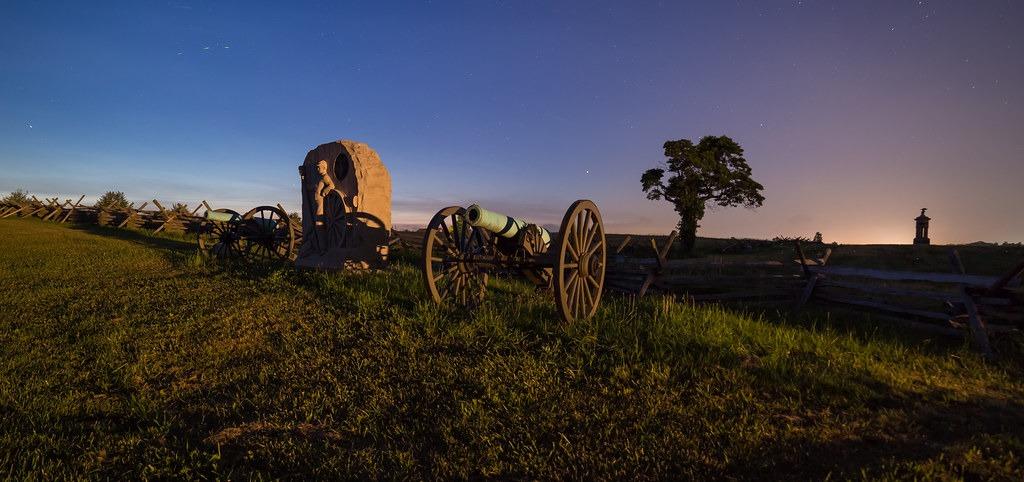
<point>593,265</point>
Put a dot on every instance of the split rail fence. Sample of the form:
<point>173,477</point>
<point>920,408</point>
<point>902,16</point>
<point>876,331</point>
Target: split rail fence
<point>947,303</point>
<point>182,220</point>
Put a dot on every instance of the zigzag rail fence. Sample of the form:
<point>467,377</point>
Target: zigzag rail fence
<point>953,303</point>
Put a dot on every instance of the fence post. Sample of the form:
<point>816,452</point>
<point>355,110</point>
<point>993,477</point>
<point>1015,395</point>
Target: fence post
<point>975,322</point>
<point>812,279</point>
<point>73,207</point>
<point>661,259</point>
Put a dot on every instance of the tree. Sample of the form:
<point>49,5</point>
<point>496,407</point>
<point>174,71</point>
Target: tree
<point>112,200</point>
<point>18,196</point>
<point>713,170</point>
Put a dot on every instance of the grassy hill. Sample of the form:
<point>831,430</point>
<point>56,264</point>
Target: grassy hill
<point>124,355</point>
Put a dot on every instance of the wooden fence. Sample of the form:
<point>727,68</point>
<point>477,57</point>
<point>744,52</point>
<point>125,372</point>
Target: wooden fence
<point>955,300</point>
<point>716,279</point>
<point>181,220</point>
<point>159,218</point>
<point>947,303</point>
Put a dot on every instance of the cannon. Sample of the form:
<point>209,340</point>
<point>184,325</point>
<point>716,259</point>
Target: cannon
<point>463,246</point>
<point>263,233</point>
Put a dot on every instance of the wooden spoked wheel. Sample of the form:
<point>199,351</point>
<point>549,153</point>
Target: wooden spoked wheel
<point>336,224</point>
<point>222,238</point>
<point>363,230</point>
<point>580,262</point>
<point>533,246</point>
<point>268,234</point>
<point>450,247</point>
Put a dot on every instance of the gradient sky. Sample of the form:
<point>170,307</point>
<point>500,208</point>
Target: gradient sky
<point>853,114</point>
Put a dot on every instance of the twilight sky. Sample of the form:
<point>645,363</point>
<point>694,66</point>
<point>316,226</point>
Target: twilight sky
<point>853,114</point>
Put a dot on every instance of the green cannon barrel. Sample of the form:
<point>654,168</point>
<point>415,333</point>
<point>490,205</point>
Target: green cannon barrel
<point>500,224</point>
<point>221,216</point>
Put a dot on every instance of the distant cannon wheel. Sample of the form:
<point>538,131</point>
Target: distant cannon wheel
<point>533,245</point>
<point>580,262</point>
<point>221,238</point>
<point>450,246</point>
<point>268,234</point>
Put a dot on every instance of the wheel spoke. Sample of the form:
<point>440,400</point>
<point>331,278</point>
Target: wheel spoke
<point>572,249</point>
<point>579,230</point>
<point>593,249</point>
<point>587,295</point>
<point>455,233</point>
<point>571,293</point>
<point>575,274</point>
<point>447,290</point>
<point>576,298</point>
<point>449,241</point>
<point>591,232</point>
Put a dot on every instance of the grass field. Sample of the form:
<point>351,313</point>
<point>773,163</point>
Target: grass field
<point>124,355</point>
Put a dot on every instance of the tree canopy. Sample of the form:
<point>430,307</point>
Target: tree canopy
<point>713,170</point>
<point>18,196</point>
<point>112,200</point>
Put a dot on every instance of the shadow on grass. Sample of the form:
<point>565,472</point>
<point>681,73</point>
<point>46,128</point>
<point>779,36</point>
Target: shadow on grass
<point>164,242</point>
<point>865,327</point>
<point>182,250</point>
<point>934,428</point>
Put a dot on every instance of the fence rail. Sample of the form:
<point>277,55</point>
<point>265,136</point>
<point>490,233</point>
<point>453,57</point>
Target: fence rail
<point>947,303</point>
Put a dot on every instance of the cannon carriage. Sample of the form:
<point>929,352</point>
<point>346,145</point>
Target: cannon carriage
<point>463,246</point>
<point>262,233</point>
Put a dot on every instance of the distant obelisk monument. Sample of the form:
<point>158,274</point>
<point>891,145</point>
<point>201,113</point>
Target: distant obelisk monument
<point>922,228</point>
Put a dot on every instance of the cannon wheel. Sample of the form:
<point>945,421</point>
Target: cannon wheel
<point>221,239</point>
<point>268,234</point>
<point>533,246</point>
<point>448,248</point>
<point>580,262</point>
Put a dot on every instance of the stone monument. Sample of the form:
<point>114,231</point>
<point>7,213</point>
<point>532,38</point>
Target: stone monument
<point>346,207</point>
<point>922,228</point>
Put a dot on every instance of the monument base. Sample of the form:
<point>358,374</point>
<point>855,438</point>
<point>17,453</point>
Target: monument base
<point>345,259</point>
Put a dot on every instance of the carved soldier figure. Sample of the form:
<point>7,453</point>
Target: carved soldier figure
<point>323,188</point>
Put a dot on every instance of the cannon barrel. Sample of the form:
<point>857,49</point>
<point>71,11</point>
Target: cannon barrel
<point>221,216</point>
<point>500,224</point>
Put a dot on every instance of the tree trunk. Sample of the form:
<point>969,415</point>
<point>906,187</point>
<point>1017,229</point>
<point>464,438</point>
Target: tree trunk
<point>688,233</point>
